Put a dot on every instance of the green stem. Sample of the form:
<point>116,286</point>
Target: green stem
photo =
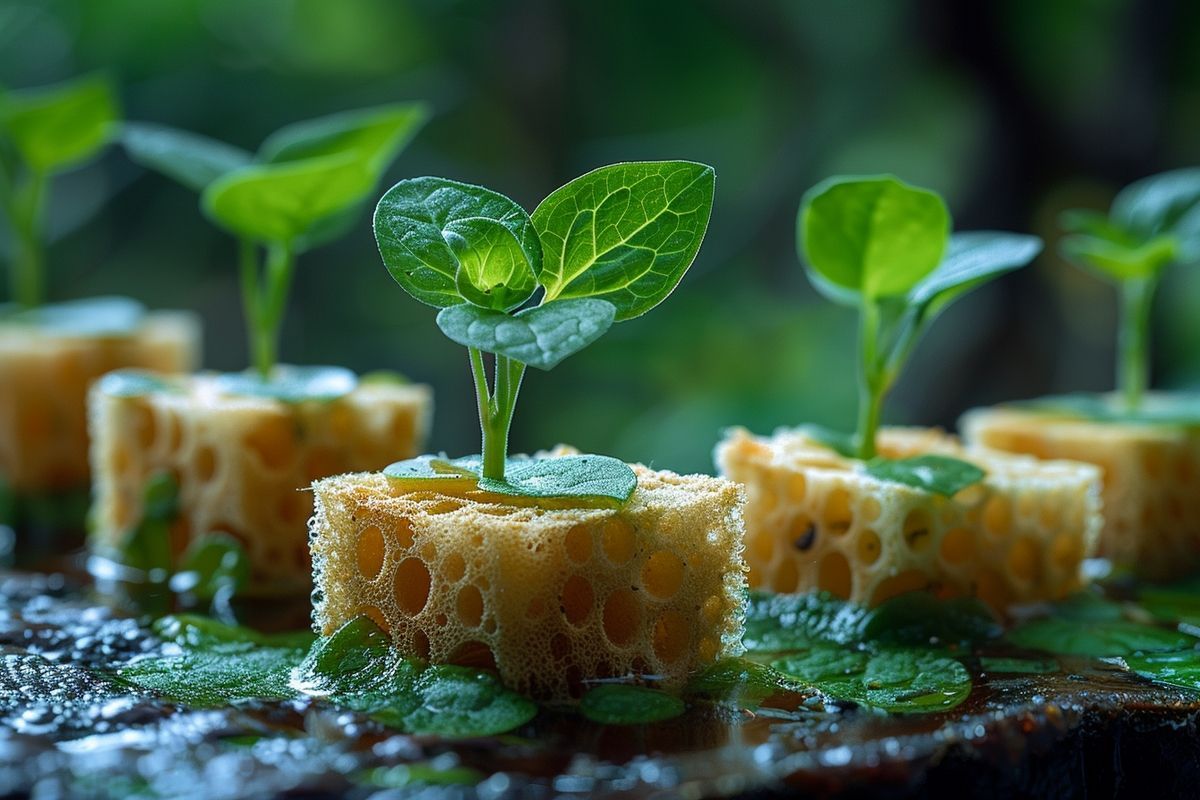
<point>248,274</point>
<point>870,381</point>
<point>495,409</point>
<point>27,275</point>
<point>271,303</point>
<point>1133,357</point>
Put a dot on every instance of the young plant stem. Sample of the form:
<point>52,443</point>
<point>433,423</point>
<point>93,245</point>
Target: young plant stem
<point>496,408</point>
<point>25,210</point>
<point>1133,357</point>
<point>264,299</point>
<point>871,386</point>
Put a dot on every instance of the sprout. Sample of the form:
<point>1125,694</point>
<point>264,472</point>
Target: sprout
<point>1152,223</point>
<point>604,248</point>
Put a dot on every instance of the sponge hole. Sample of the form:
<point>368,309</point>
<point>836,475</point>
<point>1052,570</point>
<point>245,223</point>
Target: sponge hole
<point>662,575</point>
<point>578,599</point>
<point>622,617</point>
<point>370,552</point>
<point>672,635</point>
<point>412,586</point>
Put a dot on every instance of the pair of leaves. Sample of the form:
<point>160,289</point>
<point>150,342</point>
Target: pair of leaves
<point>584,481</point>
<point>899,680</point>
<point>608,246</point>
<point>54,128</point>
<point>878,238</point>
<point>1151,223</point>
<point>306,185</point>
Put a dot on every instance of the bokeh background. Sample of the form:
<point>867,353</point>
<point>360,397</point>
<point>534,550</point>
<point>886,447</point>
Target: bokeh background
<point>1013,110</point>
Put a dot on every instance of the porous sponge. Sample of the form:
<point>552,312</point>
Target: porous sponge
<point>44,380</point>
<point>1151,477</point>
<point>243,464</point>
<point>551,598</point>
<point>817,520</point>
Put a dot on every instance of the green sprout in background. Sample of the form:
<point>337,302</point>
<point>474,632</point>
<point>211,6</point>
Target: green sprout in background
<point>43,132</point>
<point>309,183</point>
<point>1151,224</point>
<point>607,247</point>
<point>885,248</point>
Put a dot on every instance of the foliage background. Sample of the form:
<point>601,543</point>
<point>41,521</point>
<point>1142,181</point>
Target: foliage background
<point>1014,110</point>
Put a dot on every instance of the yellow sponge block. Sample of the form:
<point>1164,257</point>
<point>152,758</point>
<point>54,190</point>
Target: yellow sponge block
<point>817,520</point>
<point>44,380</point>
<point>1151,479</point>
<point>242,464</point>
<point>551,598</point>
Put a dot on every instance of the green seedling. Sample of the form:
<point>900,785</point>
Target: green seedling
<point>1151,224</point>
<point>307,185</point>
<point>43,132</point>
<point>884,247</point>
<point>607,247</point>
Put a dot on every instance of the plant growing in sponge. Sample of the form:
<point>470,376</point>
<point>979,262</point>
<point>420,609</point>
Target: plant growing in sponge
<point>50,353</point>
<point>557,569</point>
<point>235,449</point>
<point>872,515</point>
<point>1146,443</point>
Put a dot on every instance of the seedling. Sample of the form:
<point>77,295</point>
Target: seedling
<point>307,185</point>
<point>44,132</point>
<point>607,247</point>
<point>1152,223</point>
<point>884,247</point>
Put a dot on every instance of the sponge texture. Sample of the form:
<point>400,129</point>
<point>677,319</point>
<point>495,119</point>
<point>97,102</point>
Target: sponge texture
<point>816,520</point>
<point>551,598</point>
<point>243,464</point>
<point>1151,480</point>
<point>44,380</point>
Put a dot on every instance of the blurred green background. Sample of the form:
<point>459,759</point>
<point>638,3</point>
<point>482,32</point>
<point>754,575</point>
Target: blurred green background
<point>1014,110</point>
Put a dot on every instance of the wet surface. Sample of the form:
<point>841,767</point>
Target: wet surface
<point>69,726</point>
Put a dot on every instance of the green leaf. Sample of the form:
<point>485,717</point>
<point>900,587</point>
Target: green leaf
<point>930,473</point>
<point>1100,639</point>
<point>1155,205</point>
<point>838,441</point>
<point>625,233</point>
<point>971,260</point>
<point>623,704</point>
<point>540,337</point>
<point>1175,603</point>
<point>900,680</point>
<point>281,202</point>
<point>90,317</point>
<point>597,481</point>
<point>1181,668</point>
<point>135,383</point>
<point>873,236</point>
<point>1120,261</point>
<point>148,546</point>
<point>458,702</point>
<point>57,127</point>
<point>780,622</point>
<point>292,384</point>
<point>375,135</point>
<point>413,219</point>
<point>193,160</point>
<point>919,618</point>
<point>356,667</point>
<point>214,563</point>
<point>436,473</point>
<point>740,681</point>
<point>494,272</point>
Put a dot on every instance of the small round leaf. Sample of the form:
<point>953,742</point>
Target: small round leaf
<point>494,272</point>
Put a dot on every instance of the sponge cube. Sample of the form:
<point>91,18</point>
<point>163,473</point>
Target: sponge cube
<point>816,520</point>
<point>1151,477</point>
<point>44,380</point>
<point>242,464</point>
<point>551,598</point>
